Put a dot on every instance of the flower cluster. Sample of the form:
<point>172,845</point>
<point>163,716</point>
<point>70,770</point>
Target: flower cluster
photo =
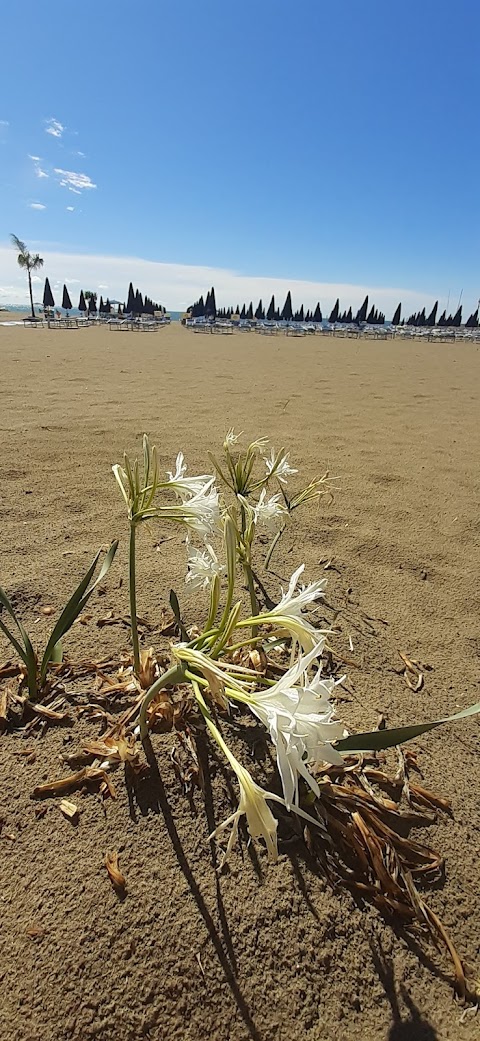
<point>296,710</point>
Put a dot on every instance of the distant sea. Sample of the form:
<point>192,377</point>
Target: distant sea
<point>24,309</point>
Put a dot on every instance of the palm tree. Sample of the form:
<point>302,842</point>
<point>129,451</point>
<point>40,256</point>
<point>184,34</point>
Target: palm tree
<point>30,261</point>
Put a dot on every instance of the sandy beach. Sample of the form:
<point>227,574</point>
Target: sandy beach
<point>261,952</point>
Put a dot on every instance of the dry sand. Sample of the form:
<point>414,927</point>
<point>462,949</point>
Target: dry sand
<point>263,952</point>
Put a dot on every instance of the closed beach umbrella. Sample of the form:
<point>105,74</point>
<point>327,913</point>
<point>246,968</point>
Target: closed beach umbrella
<point>271,310</point>
<point>48,300</point>
<point>82,306</point>
<point>318,314</point>
<point>130,307</point>
<point>287,312</point>
<point>92,305</point>
<point>66,302</point>
<point>335,313</point>
<point>362,313</point>
<point>396,317</point>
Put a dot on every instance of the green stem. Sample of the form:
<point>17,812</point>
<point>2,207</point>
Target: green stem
<point>253,596</point>
<point>174,675</point>
<point>133,599</point>
<point>273,544</point>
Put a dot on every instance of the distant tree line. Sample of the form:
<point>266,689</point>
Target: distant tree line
<point>369,315</point>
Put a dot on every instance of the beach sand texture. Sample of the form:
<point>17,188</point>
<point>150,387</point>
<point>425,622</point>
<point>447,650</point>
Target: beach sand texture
<point>263,952</point>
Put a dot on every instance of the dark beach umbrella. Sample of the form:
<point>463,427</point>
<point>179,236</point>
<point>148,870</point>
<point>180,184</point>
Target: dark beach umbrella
<point>81,303</point>
<point>301,315</point>
<point>396,317</point>
<point>213,305</point>
<point>421,320</point>
<point>48,300</point>
<point>101,306</point>
<point>130,300</point>
<point>317,317</point>
<point>66,302</point>
<point>271,310</point>
<point>107,307</point>
<point>119,311</point>
<point>250,311</point>
<point>335,313</point>
<point>287,308</point>
<point>243,312</point>
<point>371,316</point>
<point>349,315</point>
<point>138,305</point>
<point>442,321</point>
<point>472,322</point>
<point>457,318</point>
<point>92,305</point>
<point>260,313</point>
<point>362,313</point>
<point>432,317</point>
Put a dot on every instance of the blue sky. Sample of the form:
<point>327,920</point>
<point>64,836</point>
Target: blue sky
<point>329,143</point>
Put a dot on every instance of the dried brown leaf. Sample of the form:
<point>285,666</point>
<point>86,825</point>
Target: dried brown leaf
<point>115,875</point>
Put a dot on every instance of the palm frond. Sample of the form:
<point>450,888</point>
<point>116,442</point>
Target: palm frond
<point>36,262</point>
<point>18,244</point>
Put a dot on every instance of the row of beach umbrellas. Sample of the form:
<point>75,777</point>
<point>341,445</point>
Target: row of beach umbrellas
<point>136,302</point>
<point>367,314</point>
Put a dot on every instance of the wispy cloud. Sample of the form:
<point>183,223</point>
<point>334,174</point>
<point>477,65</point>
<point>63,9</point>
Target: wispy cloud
<point>36,160</point>
<point>4,123</point>
<point>178,285</point>
<point>81,154</point>
<point>54,127</point>
<point>37,206</point>
<point>75,182</point>
<point>70,208</point>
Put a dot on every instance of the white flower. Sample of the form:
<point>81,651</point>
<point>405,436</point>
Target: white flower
<point>231,438</point>
<point>268,511</point>
<point>301,725</point>
<point>183,486</point>
<point>201,512</point>
<point>260,820</point>
<point>279,468</point>
<point>203,566</point>
<point>288,612</point>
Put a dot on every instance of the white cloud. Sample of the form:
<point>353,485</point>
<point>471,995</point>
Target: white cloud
<point>38,170</point>
<point>36,278</point>
<point>177,285</point>
<point>37,206</point>
<point>4,123</point>
<point>54,128</point>
<point>101,286</point>
<point>81,154</point>
<point>70,208</point>
<point>75,182</point>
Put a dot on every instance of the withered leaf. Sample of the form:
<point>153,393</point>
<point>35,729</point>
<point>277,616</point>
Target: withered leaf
<point>115,875</point>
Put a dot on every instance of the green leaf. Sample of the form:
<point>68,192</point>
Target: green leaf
<point>376,740</point>
<point>57,654</point>
<point>174,604</point>
<point>76,605</point>
<point>26,653</point>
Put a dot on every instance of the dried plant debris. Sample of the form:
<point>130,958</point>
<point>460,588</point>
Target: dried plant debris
<point>116,877</point>
<point>366,846</point>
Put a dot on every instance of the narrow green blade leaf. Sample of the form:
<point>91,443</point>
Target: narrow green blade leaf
<point>57,654</point>
<point>14,642</point>
<point>174,604</point>
<point>27,653</point>
<point>376,740</point>
<point>76,604</point>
